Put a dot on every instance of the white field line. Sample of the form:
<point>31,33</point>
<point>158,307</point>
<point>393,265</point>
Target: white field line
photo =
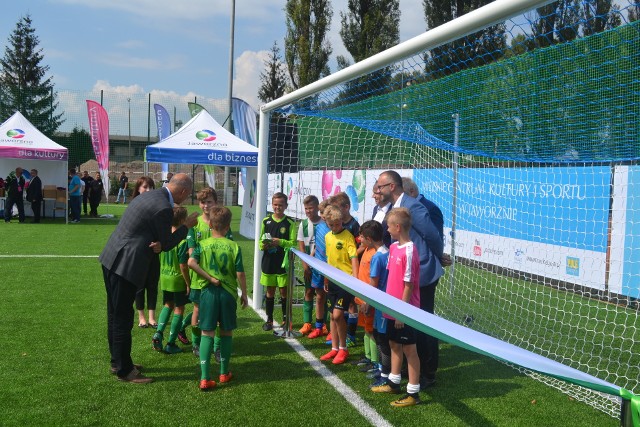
<point>350,395</point>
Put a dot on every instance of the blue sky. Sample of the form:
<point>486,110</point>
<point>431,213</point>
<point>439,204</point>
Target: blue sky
<point>179,47</point>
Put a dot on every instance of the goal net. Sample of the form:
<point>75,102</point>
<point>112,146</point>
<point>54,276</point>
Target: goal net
<point>526,134</point>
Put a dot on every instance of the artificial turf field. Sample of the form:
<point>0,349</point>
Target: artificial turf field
<point>55,363</point>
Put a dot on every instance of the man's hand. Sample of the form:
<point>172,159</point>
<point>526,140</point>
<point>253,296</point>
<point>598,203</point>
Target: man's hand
<point>243,301</point>
<point>191,220</point>
<point>399,325</point>
<point>307,274</point>
<point>156,247</point>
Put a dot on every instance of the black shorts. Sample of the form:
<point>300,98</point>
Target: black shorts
<point>338,298</point>
<point>404,336</point>
<point>178,298</point>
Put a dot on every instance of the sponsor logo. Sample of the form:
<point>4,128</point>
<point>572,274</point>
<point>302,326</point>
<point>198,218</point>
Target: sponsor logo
<point>519,255</point>
<point>282,230</point>
<point>206,135</point>
<point>542,261</point>
<point>252,193</point>
<point>290,188</point>
<point>15,133</point>
<point>339,245</point>
<point>477,249</point>
<point>573,266</point>
<point>492,251</point>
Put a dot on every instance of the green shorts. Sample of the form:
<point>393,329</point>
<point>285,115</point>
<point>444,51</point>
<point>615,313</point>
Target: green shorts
<point>178,298</point>
<point>194,295</point>
<point>217,306</point>
<point>279,280</point>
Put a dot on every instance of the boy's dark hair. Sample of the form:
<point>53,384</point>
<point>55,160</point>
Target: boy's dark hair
<point>205,193</point>
<point>372,230</point>
<point>310,199</point>
<point>280,195</point>
<point>341,199</point>
<point>220,218</point>
<point>179,215</point>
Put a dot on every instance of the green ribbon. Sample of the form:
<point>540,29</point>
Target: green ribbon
<point>285,261</point>
<point>635,405</point>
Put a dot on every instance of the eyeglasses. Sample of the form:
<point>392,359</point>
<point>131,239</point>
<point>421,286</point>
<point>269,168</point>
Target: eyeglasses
<point>380,187</point>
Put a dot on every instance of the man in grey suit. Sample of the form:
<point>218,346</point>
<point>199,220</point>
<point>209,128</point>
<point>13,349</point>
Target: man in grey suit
<point>132,250</point>
<point>426,237</point>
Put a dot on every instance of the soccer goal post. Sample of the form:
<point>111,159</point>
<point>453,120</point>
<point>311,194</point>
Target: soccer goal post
<point>520,122</point>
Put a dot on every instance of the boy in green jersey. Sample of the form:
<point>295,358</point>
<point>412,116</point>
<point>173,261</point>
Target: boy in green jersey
<point>218,262</point>
<point>174,282</point>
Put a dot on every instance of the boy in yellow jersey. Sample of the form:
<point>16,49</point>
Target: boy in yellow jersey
<point>341,253</point>
<point>218,261</point>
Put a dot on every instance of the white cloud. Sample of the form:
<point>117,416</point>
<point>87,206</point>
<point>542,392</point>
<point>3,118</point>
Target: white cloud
<point>120,60</point>
<point>246,82</point>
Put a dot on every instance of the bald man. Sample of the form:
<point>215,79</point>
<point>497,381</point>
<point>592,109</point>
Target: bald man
<point>130,256</point>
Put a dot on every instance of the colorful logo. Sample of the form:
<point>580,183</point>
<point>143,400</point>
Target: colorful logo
<point>573,266</point>
<point>252,193</point>
<point>15,133</point>
<point>477,249</point>
<point>290,188</point>
<point>206,135</point>
<point>339,245</point>
<point>282,230</point>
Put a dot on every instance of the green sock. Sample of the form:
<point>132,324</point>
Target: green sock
<point>164,317</point>
<point>367,347</point>
<point>176,324</point>
<point>374,349</point>
<point>216,340</point>
<point>195,336</point>
<point>225,353</point>
<point>307,311</point>
<point>206,346</point>
<point>187,320</point>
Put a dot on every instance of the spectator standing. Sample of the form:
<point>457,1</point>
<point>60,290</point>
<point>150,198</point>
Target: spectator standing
<point>96,187</point>
<point>15,195</point>
<point>123,183</point>
<point>75,196</point>
<point>34,195</point>
<point>86,178</point>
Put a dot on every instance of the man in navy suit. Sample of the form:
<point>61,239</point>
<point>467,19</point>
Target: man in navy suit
<point>132,250</point>
<point>34,195</point>
<point>426,237</point>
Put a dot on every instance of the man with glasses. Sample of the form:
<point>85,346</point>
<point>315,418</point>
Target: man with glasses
<point>427,239</point>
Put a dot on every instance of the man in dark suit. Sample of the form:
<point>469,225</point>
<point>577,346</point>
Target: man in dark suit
<point>426,237</point>
<point>129,255</point>
<point>34,195</point>
<point>15,195</point>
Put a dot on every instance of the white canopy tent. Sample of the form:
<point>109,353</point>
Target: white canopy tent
<point>23,145</point>
<point>203,141</point>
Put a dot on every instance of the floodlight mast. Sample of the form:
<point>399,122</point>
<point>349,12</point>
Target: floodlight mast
<point>493,13</point>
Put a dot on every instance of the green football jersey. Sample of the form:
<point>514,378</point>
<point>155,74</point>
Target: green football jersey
<point>220,258</point>
<point>170,275</point>
<point>195,235</point>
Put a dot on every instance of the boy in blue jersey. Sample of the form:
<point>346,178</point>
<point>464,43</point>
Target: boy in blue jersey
<point>218,261</point>
<point>317,281</point>
<point>174,282</point>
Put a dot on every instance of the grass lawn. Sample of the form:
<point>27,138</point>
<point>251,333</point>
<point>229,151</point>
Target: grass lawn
<point>55,363</point>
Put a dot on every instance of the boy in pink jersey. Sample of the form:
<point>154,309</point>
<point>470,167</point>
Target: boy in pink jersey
<point>402,283</point>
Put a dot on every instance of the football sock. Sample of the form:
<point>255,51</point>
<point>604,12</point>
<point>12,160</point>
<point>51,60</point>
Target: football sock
<point>319,323</point>
<point>195,335</point>
<point>216,340</point>
<point>384,353</point>
<point>225,353</point>
<point>373,348</point>
<point>176,324</point>
<point>187,320</point>
<point>206,346</point>
<point>164,317</point>
<point>283,302</point>
<point>307,311</point>
<point>413,388</point>
<point>367,347</point>
<point>395,378</point>
<point>269,304</point>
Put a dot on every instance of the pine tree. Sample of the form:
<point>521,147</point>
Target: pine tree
<point>24,86</point>
<point>307,49</point>
<point>274,78</point>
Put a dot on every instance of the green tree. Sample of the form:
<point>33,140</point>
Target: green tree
<point>79,144</point>
<point>633,13</point>
<point>307,50</point>
<point>480,48</point>
<point>556,22</point>
<point>274,78</point>
<point>367,28</point>
<point>598,17</point>
<point>24,86</point>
